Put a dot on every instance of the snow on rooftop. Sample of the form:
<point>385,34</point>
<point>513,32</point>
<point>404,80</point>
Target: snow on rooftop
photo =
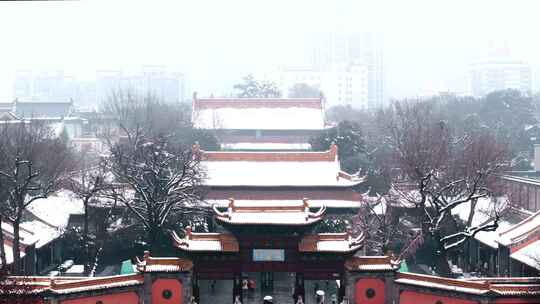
<point>484,210</point>
<point>521,230</point>
<point>278,218</point>
<point>294,214</point>
<point>43,234</point>
<point>529,255</point>
<point>274,173</point>
<point>277,203</point>
<point>428,284</point>
<point>205,245</point>
<point>259,114</point>
<point>334,245</point>
<point>57,207</point>
<point>265,146</point>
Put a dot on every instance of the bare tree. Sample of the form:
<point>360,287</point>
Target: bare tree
<point>381,225</point>
<point>32,165</point>
<point>449,170</point>
<point>162,180</point>
<point>91,182</point>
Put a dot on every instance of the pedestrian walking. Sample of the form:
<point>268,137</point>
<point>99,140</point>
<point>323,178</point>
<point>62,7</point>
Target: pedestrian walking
<point>319,296</point>
<point>267,300</point>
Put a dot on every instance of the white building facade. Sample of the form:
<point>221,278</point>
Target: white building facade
<point>499,74</point>
<point>344,48</point>
<point>341,84</point>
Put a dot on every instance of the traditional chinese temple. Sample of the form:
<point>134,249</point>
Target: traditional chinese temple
<point>260,123</point>
<point>259,241</point>
<point>280,254</point>
<point>279,177</point>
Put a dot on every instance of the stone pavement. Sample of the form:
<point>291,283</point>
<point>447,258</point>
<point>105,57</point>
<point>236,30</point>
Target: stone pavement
<point>281,291</point>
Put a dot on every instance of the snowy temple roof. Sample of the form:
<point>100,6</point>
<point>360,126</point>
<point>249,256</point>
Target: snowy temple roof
<point>151,264</point>
<point>222,242</point>
<point>521,231</point>
<point>275,169</point>
<point>485,211</point>
<point>294,215</point>
<point>95,283</point>
<point>331,242</point>
<point>528,287</point>
<point>258,113</point>
<point>528,255</point>
<point>372,263</point>
<point>265,146</point>
<point>221,203</point>
<point>464,286</point>
<point>57,208</point>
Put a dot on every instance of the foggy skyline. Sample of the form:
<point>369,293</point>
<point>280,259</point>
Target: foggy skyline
<point>427,44</point>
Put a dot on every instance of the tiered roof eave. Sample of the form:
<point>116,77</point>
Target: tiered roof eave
<point>286,215</point>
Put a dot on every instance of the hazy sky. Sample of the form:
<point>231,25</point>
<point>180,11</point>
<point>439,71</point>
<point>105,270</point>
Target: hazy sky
<point>428,44</point>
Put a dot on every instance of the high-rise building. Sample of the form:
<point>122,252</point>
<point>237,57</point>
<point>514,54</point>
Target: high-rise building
<point>45,85</point>
<point>496,74</point>
<point>341,48</point>
<point>157,80</point>
<point>341,84</point>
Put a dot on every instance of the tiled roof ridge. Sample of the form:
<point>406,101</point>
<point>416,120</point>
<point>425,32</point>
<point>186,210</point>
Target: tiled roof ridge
<point>303,207</point>
<point>356,262</point>
<point>523,222</point>
<point>94,281</point>
<point>478,285</point>
<point>243,103</point>
<point>309,243</point>
<point>508,280</point>
<point>269,156</point>
<point>310,217</point>
<point>501,286</point>
<point>163,264</point>
<point>227,241</point>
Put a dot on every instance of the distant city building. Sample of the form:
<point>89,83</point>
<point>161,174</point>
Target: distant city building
<point>45,85</point>
<point>157,80</point>
<point>499,71</point>
<point>499,74</point>
<point>330,49</point>
<point>341,84</point>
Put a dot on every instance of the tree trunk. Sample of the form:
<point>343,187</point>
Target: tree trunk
<point>3,259</point>
<point>441,264</point>
<point>86,246</point>
<point>16,249</point>
<point>471,212</point>
<point>153,240</point>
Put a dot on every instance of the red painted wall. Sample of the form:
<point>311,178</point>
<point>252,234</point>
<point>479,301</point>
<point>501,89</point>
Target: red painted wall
<point>412,297</point>
<point>118,298</point>
<point>173,285</point>
<point>361,291</point>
